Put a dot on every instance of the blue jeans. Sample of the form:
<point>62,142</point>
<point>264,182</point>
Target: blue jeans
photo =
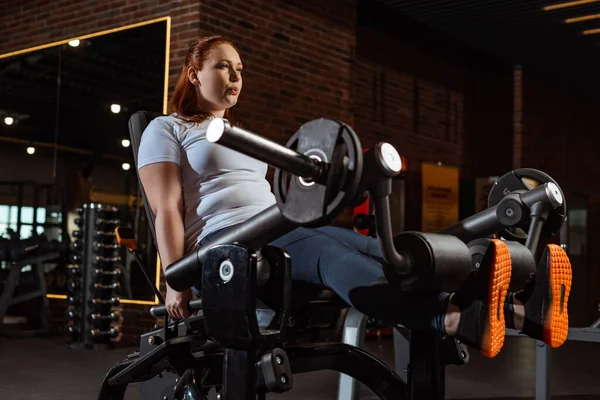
<point>341,260</point>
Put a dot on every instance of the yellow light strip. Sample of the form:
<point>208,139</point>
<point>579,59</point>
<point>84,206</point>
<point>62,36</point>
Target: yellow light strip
<point>584,18</point>
<point>591,31</point>
<point>126,301</point>
<point>105,32</point>
<point>569,4</point>
<point>147,302</point>
<point>158,271</point>
<point>167,56</point>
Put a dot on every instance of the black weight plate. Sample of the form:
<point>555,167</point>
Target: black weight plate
<point>519,181</point>
<point>317,203</point>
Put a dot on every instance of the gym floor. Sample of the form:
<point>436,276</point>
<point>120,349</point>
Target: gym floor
<point>47,369</point>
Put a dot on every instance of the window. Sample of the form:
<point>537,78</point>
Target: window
<point>9,219</point>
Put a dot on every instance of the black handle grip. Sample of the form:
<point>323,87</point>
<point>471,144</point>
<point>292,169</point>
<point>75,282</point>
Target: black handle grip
<point>161,311</point>
<point>492,220</point>
<point>256,232</point>
<point>222,132</point>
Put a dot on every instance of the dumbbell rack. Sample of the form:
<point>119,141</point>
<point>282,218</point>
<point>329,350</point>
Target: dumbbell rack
<point>95,268</point>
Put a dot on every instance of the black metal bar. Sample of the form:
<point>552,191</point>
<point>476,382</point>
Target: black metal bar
<point>426,374</point>
<point>35,208</point>
<point>351,361</point>
<point>161,311</point>
<point>148,279</point>
<point>256,232</point>
<point>381,163</point>
<point>27,296</point>
<point>548,194</point>
<point>222,132</point>
<point>115,391</point>
<point>533,235</point>
<point>229,307</point>
<point>169,348</point>
<point>482,224</point>
<point>19,207</point>
<point>399,262</point>
<point>239,374</point>
<point>488,221</point>
<point>539,214</point>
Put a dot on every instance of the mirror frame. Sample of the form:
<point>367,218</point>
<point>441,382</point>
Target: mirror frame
<point>166,19</point>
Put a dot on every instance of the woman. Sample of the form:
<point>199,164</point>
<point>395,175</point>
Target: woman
<point>196,189</point>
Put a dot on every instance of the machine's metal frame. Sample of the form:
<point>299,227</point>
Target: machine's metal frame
<point>543,357</point>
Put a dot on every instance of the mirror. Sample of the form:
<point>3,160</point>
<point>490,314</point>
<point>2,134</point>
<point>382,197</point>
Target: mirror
<point>64,114</point>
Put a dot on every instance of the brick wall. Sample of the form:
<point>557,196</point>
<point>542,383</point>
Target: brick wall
<point>517,117</point>
<point>422,117</point>
<point>433,99</point>
<point>297,60</point>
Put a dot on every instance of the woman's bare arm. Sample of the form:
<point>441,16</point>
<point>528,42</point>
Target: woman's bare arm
<point>162,184</point>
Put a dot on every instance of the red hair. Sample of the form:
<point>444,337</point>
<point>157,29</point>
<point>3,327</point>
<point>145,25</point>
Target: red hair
<point>184,101</point>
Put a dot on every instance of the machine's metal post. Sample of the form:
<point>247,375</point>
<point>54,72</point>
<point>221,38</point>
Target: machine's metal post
<point>401,353</point>
<point>542,371</point>
<point>354,335</point>
<point>239,374</point>
<point>229,308</point>
<point>426,373</point>
<point>543,355</point>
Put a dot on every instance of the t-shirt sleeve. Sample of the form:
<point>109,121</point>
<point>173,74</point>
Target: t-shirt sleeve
<point>159,144</point>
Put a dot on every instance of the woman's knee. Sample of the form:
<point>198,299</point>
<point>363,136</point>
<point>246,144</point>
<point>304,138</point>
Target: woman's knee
<point>364,244</point>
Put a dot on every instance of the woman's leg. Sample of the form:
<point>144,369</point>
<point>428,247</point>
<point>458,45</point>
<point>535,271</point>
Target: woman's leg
<point>367,245</point>
<point>324,260</point>
<point>473,314</point>
<point>320,258</point>
<point>513,308</point>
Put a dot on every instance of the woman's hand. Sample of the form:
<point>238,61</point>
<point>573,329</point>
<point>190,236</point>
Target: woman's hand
<point>177,303</point>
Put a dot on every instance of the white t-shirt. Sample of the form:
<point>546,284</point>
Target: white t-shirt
<point>221,187</point>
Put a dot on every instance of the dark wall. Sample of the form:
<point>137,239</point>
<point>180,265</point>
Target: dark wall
<point>437,98</point>
<point>560,137</point>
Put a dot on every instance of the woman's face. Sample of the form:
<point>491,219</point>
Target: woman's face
<point>220,81</point>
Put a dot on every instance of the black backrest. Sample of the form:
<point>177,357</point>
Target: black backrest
<point>137,125</point>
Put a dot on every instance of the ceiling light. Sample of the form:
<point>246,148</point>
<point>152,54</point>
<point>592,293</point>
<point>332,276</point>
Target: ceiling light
<point>591,31</point>
<point>125,143</point>
<point>569,4</point>
<point>30,150</point>
<point>584,18</point>
<point>9,120</point>
<point>115,108</point>
<point>125,166</point>
<point>74,43</point>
